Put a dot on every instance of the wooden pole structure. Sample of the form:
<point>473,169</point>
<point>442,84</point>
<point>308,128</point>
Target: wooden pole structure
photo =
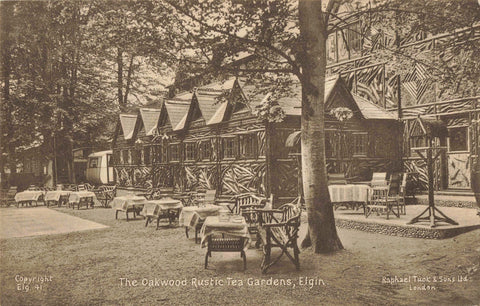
<point>431,209</point>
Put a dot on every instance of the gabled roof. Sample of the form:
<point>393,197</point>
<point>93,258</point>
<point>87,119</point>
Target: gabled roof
<point>177,113</point>
<point>292,104</point>
<point>207,96</point>
<point>150,119</point>
<point>428,127</point>
<point>372,111</point>
<point>177,110</point>
<point>128,122</point>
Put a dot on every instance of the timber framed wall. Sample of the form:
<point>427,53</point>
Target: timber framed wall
<point>197,143</point>
<point>412,93</point>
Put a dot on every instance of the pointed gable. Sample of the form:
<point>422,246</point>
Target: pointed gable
<point>150,118</point>
<point>336,95</point>
<point>177,110</point>
<point>128,122</point>
<point>207,99</point>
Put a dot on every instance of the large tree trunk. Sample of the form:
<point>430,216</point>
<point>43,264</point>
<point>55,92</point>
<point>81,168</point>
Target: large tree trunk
<point>322,233</point>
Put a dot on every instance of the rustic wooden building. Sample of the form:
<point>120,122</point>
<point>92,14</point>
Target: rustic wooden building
<point>210,138</point>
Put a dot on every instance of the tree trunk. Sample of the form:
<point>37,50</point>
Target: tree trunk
<point>120,79</point>
<point>322,233</point>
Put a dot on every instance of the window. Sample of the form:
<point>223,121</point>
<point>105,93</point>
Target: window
<point>458,139</point>
<point>190,150</point>
<point>329,145</point>
<point>125,156</point>
<point>174,152</point>
<point>146,155</point>
<point>360,144</point>
<point>248,145</point>
<point>417,142</point>
<point>117,156</point>
<point>93,162</point>
<point>229,147</point>
<point>206,150</point>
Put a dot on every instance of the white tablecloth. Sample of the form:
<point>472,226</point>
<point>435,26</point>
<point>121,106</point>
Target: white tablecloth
<point>213,225</point>
<point>75,196</point>
<point>56,194</point>
<point>153,207</point>
<point>349,193</point>
<point>192,214</point>
<point>126,202</point>
<point>29,195</point>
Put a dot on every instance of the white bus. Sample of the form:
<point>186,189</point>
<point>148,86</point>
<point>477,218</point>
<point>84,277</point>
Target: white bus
<point>100,168</point>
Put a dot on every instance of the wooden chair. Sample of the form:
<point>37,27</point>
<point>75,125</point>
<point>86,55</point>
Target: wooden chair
<point>105,194</point>
<point>401,195</point>
<point>8,196</point>
<point>381,202</point>
<point>379,179</point>
<point>222,244</point>
<point>209,197</point>
<point>336,179</point>
<point>278,228</point>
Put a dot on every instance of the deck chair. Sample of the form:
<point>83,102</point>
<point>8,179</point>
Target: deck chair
<point>379,179</point>
<point>278,228</point>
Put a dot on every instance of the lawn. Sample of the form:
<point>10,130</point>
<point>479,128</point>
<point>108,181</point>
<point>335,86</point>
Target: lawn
<point>128,263</point>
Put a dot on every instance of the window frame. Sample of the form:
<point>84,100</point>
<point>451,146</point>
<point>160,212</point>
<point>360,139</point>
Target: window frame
<point>174,148</point>
<point>206,144</point>
<point>467,139</point>
<point>231,150</point>
<point>364,144</point>
<point>190,151</point>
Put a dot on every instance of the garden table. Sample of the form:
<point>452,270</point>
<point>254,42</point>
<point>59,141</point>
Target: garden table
<point>349,195</point>
<point>129,203</point>
<point>165,207</point>
<point>82,197</point>
<point>29,196</point>
<point>193,216</point>
<point>234,235</point>
<point>57,196</point>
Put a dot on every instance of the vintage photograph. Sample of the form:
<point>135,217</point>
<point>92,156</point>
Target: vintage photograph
<point>240,152</point>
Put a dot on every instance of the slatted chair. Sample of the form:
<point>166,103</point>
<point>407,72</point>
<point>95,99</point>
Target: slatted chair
<point>209,198</point>
<point>380,202</point>
<point>278,228</point>
<point>217,244</point>
<point>379,179</point>
<point>247,205</point>
<point>401,195</point>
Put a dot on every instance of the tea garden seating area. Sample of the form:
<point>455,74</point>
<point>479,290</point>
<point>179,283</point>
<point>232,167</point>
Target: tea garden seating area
<point>230,225</point>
